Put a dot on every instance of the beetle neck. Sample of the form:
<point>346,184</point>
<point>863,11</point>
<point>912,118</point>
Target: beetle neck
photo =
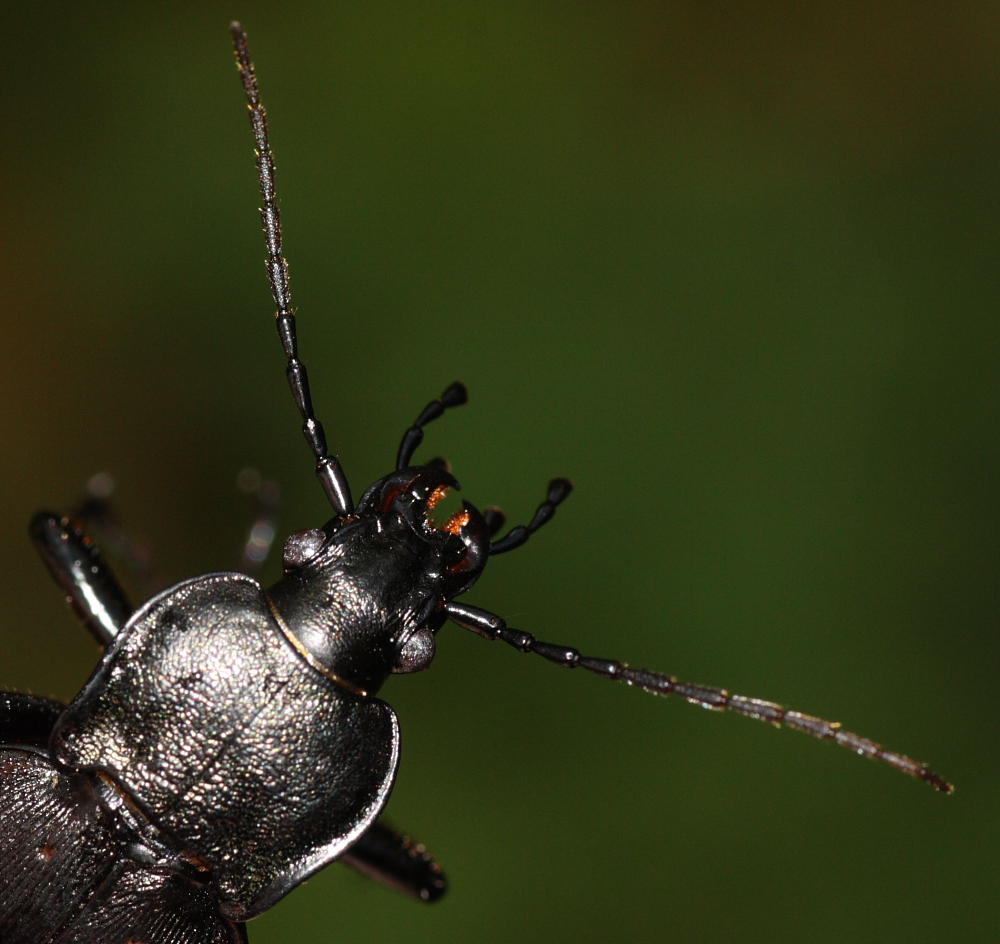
<point>302,649</point>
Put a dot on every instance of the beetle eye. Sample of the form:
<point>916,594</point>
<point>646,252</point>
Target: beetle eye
<point>301,547</point>
<point>417,652</point>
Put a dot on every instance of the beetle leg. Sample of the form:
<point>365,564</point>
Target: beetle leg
<point>96,514</point>
<point>266,495</point>
<point>397,862</point>
<point>76,565</point>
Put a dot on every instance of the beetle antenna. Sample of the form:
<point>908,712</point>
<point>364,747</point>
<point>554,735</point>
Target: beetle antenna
<point>328,469</point>
<point>490,626</point>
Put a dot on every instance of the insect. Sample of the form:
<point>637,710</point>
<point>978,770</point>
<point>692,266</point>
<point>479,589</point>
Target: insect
<point>230,743</point>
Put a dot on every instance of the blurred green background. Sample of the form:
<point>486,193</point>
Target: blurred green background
<point>733,269</point>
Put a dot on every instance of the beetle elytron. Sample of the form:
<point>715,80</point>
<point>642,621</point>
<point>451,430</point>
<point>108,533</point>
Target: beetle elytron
<point>230,744</point>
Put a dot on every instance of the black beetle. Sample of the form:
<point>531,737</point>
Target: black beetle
<point>229,745</point>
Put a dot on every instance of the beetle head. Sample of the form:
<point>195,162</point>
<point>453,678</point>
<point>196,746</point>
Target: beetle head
<point>408,497</point>
<point>363,596</point>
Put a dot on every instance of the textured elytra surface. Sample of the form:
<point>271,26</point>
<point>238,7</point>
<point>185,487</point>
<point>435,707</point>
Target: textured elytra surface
<point>55,846</point>
<point>143,907</point>
<point>65,878</point>
<point>230,742</point>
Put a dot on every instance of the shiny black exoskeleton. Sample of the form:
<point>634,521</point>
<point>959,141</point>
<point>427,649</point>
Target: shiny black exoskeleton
<point>230,744</point>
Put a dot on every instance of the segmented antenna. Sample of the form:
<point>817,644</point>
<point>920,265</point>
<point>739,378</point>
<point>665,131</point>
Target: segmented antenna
<point>328,469</point>
<point>490,626</point>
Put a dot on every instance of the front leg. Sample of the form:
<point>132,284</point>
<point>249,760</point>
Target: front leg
<point>76,565</point>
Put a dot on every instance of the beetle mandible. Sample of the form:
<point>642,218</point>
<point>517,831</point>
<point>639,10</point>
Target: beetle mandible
<point>230,744</point>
